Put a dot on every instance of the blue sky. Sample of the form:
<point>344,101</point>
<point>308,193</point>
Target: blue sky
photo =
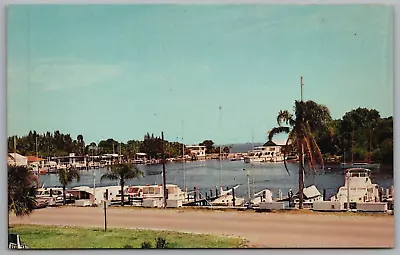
<point>121,71</point>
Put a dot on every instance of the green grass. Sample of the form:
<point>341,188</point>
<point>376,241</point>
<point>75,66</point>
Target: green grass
<point>59,237</point>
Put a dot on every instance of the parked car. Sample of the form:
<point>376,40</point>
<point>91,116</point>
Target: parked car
<point>14,242</point>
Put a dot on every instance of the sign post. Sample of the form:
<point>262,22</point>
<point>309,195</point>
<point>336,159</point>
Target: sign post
<point>105,209</point>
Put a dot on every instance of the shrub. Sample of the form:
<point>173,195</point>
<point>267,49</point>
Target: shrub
<point>160,243</point>
<point>146,245</point>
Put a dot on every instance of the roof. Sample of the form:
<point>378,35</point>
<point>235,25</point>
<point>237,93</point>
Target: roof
<point>311,191</point>
<point>270,143</point>
<point>34,159</point>
<point>16,156</point>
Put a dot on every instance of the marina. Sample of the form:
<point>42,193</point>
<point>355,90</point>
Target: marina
<point>241,187</point>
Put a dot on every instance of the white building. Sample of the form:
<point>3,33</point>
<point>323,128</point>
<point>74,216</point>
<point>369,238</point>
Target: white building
<point>17,159</point>
<point>198,151</point>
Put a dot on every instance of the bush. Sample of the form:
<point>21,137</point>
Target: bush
<point>146,245</point>
<point>160,243</point>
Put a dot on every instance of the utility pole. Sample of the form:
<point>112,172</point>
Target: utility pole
<point>105,209</point>
<point>163,172</point>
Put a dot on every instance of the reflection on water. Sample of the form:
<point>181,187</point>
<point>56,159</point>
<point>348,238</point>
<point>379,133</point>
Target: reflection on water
<point>205,175</point>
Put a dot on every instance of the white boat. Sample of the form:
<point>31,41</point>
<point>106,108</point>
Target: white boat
<point>310,195</point>
<point>95,195</point>
<point>360,164</point>
<point>226,198</point>
<point>53,195</point>
<point>139,193</point>
<point>264,154</point>
<point>358,187</point>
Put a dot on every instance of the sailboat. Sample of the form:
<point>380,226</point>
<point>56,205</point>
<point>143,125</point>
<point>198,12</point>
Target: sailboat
<point>367,164</point>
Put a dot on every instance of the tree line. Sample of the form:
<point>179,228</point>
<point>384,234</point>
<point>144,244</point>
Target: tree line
<point>59,144</point>
<point>361,134</point>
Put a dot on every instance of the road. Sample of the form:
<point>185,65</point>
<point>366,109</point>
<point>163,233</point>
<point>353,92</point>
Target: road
<point>260,229</point>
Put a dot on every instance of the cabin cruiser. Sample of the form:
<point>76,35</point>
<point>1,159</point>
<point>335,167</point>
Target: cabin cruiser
<point>261,154</point>
<point>269,152</point>
<point>358,186</point>
<point>152,195</point>
<point>52,196</point>
<point>358,193</point>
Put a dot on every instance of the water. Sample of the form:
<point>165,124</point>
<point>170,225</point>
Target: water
<point>205,175</point>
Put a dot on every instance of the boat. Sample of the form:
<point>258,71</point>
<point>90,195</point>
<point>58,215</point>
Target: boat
<point>357,188</point>
<point>86,196</point>
<point>292,158</point>
<point>225,198</point>
<point>138,193</point>
<point>269,152</point>
<point>53,195</point>
<point>310,195</point>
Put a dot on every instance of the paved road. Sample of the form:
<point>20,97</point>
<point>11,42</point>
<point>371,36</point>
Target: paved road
<point>260,229</point>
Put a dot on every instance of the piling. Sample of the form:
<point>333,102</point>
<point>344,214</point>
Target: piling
<point>195,194</point>
<point>233,195</point>
<point>210,192</point>
<point>324,195</point>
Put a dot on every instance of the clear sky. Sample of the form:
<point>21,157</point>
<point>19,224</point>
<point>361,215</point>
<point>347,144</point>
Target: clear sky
<point>121,71</point>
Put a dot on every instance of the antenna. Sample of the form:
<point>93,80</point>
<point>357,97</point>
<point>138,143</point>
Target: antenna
<point>301,88</point>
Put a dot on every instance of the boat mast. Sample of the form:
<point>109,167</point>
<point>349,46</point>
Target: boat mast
<point>183,162</point>
<point>163,173</point>
<point>352,146</point>
<point>370,147</point>
<point>252,166</point>
<point>220,159</point>
<point>36,148</point>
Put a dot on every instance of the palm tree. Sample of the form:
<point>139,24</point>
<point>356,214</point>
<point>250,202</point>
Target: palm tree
<point>122,172</point>
<point>66,176</point>
<point>309,117</point>
<point>22,186</point>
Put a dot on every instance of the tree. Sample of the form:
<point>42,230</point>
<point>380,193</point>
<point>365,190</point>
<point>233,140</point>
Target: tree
<point>209,144</point>
<point>122,172</point>
<point>66,176</point>
<point>226,149</point>
<point>308,118</point>
<point>81,144</point>
<point>22,186</point>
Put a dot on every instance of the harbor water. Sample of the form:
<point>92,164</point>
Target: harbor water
<point>206,176</point>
